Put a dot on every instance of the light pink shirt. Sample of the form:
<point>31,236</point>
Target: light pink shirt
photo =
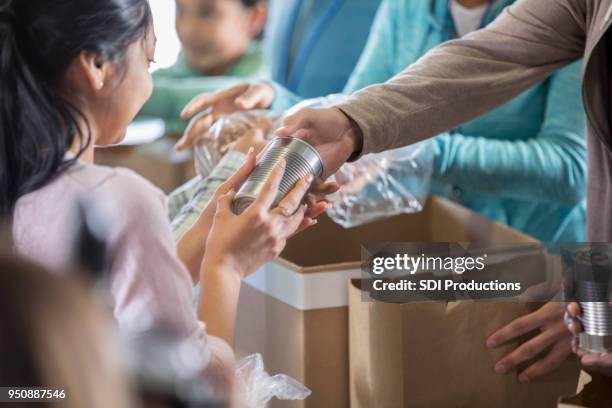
<point>148,283</point>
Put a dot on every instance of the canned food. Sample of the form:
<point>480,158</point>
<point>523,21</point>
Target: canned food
<point>592,283</point>
<point>301,159</point>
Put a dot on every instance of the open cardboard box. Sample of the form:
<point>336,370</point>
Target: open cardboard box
<point>158,162</point>
<point>294,310</point>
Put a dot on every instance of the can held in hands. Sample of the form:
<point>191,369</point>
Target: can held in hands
<point>593,285</point>
<point>301,160</point>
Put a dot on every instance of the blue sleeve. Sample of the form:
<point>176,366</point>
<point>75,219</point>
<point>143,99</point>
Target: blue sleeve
<point>375,64</point>
<point>549,167</point>
<point>377,60</point>
<point>283,98</point>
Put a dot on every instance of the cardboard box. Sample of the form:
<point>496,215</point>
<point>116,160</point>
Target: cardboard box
<point>158,162</point>
<point>433,354</point>
<point>294,310</point>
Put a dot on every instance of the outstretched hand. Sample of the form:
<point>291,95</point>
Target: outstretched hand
<point>335,136</point>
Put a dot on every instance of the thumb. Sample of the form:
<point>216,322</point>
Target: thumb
<point>224,204</point>
<point>293,123</point>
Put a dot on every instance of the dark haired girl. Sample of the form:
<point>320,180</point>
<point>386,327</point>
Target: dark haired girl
<point>73,74</point>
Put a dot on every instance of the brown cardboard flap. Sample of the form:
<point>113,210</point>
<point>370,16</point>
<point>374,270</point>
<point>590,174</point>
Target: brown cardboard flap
<point>597,393</point>
<point>328,244</point>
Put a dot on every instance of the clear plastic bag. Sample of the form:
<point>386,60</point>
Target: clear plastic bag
<point>226,132</point>
<point>377,186</point>
<point>258,387</point>
<point>229,129</point>
<point>383,185</point>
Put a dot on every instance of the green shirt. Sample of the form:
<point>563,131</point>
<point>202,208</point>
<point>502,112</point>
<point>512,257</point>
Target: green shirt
<point>174,87</point>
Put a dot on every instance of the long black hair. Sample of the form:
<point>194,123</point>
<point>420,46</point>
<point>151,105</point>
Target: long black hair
<point>39,39</point>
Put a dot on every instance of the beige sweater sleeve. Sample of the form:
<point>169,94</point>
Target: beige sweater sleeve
<point>463,79</point>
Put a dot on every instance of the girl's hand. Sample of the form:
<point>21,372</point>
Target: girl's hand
<point>243,243</point>
<point>192,245</point>
<point>239,244</point>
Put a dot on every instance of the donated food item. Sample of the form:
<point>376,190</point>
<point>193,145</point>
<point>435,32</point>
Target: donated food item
<point>301,158</point>
<point>592,286</point>
<point>224,134</point>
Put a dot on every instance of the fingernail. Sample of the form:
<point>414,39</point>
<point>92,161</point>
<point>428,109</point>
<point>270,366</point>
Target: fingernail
<point>251,150</point>
<point>491,343</point>
<point>314,222</point>
<point>523,378</point>
<point>500,368</point>
<point>310,178</point>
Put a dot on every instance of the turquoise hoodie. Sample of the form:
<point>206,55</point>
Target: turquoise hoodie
<point>524,164</point>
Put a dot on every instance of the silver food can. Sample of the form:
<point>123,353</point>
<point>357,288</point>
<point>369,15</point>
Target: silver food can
<point>592,285</point>
<point>301,159</point>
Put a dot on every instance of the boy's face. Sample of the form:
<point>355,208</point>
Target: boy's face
<point>216,33</point>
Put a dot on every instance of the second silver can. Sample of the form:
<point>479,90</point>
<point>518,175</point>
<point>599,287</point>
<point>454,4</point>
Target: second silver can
<point>301,159</point>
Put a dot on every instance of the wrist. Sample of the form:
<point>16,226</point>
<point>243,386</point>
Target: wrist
<point>225,267</point>
<point>354,135</point>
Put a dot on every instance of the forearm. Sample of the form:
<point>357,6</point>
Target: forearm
<point>170,95</point>
<point>202,193</point>
<point>218,303</point>
<point>466,78</point>
<point>181,197</point>
<point>543,170</point>
<point>191,247</point>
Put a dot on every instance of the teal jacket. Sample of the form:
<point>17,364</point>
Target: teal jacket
<point>312,46</point>
<point>174,87</point>
<point>523,164</point>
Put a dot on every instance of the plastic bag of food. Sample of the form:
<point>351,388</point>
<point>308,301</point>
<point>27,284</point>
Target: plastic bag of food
<point>257,387</point>
<point>229,129</point>
<point>382,185</point>
<point>226,132</point>
<point>378,185</point>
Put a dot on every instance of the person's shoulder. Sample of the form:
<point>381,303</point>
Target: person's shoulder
<point>123,185</point>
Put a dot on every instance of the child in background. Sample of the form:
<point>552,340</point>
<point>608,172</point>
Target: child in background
<point>221,47</point>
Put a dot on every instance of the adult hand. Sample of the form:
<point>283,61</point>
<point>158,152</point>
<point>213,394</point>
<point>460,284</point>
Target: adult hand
<point>335,136</point>
<point>553,334</point>
<point>205,109</point>
<point>243,243</point>
<point>574,326</point>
